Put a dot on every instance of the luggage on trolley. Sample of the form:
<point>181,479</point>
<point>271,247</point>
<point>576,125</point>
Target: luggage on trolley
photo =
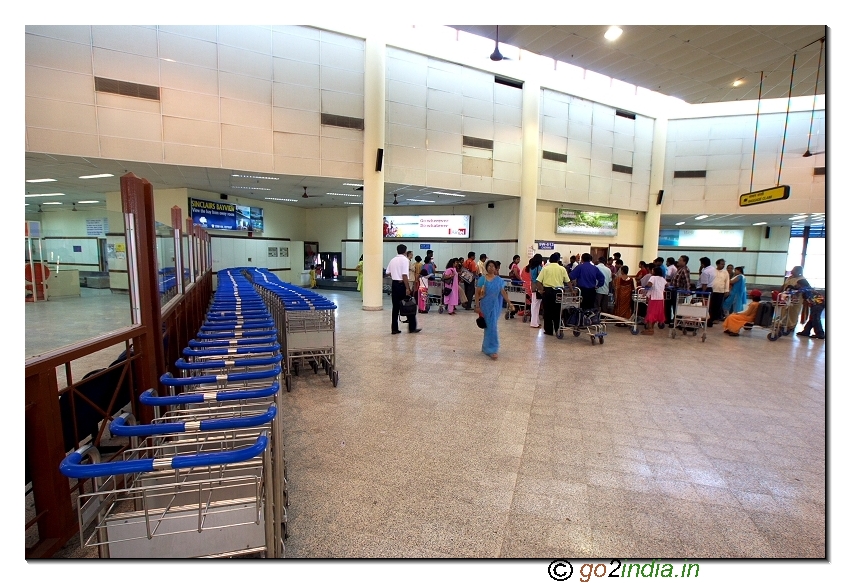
<point>691,313</point>
<point>435,295</point>
<point>519,298</point>
<point>578,320</point>
<point>782,323</point>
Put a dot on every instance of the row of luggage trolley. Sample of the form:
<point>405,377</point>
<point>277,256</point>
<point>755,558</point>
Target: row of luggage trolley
<point>207,477</point>
<point>306,322</point>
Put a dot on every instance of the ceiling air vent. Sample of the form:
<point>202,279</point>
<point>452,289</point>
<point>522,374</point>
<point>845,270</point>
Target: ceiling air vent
<point>342,121</point>
<point>626,114</point>
<point>689,174</point>
<point>820,170</point>
<point>509,82</point>
<point>126,88</point>
<point>547,155</point>
<point>471,142</point>
<point>621,168</point>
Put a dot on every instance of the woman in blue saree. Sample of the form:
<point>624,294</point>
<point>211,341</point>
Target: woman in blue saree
<point>737,297</point>
<point>488,297</point>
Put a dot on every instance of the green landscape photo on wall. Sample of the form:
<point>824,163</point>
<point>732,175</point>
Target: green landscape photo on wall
<point>572,221</point>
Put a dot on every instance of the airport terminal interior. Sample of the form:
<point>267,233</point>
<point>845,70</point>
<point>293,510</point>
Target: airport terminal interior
<point>275,153</point>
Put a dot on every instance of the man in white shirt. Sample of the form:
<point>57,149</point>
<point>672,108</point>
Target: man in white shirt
<point>602,291</point>
<point>719,291</point>
<point>398,269</point>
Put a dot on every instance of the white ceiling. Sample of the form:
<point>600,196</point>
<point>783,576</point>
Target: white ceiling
<point>694,63</point>
<point>740,220</point>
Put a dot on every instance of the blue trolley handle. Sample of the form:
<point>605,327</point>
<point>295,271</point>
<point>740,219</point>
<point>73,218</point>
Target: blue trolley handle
<point>119,425</point>
<point>275,347</point>
<point>170,381</point>
<point>183,365</point>
<point>151,399</point>
<point>72,468</point>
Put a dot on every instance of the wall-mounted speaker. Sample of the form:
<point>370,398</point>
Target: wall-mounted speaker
<point>491,205</point>
<point>223,197</point>
<point>767,232</point>
<point>660,196</point>
<point>379,162</point>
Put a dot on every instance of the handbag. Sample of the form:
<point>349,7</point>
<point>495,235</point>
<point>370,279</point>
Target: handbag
<point>466,276</point>
<point>447,291</point>
<point>408,306</point>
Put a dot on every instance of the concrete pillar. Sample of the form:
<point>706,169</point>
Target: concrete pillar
<point>373,180</point>
<point>652,222</point>
<point>530,155</point>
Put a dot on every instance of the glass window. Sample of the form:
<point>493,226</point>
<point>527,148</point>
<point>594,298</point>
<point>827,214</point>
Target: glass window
<point>795,253</point>
<point>815,268</point>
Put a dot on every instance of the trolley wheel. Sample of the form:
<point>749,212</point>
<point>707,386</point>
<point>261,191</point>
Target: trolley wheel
<point>440,310</point>
<point>593,340</point>
<point>673,333</point>
<point>526,318</point>
<point>661,325</point>
<point>288,384</point>
<point>601,340</point>
<point>335,378</point>
<point>703,336</point>
<point>315,367</point>
<point>786,331</point>
<point>560,334</point>
<point>507,315</point>
<point>635,331</point>
<point>576,333</point>
<point>772,337</point>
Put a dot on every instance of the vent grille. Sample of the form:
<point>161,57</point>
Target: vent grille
<point>689,174</point>
<point>509,82</point>
<point>126,88</point>
<point>342,121</point>
<point>621,168</point>
<point>626,114</point>
<point>820,170</point>
<point>555,156</point>
<point>471,142</point>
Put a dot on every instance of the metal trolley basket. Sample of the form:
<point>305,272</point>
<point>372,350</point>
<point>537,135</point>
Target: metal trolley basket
<point>519,298</point>
<point>783,315</point>
<point>578,320</point>
<point>691,313</point>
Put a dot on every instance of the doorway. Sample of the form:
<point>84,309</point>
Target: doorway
<point>597,252</point>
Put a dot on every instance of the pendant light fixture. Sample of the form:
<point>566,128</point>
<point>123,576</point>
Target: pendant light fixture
<point>808,153</point>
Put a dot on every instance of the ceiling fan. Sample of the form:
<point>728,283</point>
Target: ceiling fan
<point>497,56</point>
<point>395,198</point>
<point>74,206</point>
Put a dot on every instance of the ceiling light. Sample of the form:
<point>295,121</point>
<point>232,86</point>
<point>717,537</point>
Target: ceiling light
<point>758,224</point>
<point>352,203</point>
<point>798,218</point>
<point>737,82</point>
<point>97,176</point>
<point>680,223</point>
<point>613,33</point>
<point>87,201</point>
<point>350,184</point>
<point>250,187</point>
<point>342,194</point>
<point>252,176</point>
<point>47,194</point>
<point>701,217</point>
<point>42,180</point>
<point>169,60</point>
<point>419,200</point>
<point>26,204</point>
<point>282,199</point>
<point>449,194</point>
<point>53,202</point>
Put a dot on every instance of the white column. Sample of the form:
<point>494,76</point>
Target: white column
<point>530,156</point>
<point>373,181</point>
<point>652,221</point>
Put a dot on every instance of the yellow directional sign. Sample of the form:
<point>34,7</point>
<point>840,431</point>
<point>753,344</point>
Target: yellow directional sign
<point>766,195</point>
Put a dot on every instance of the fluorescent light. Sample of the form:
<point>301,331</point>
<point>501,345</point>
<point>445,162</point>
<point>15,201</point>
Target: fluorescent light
<point>87,201</point>
<point>42,180</point>
<point>26,204</point>
<point>47,194</point>
<point>758,224</point>
<point>737,82</point>
<point>250,187</point>
<point>613,33</point>
<point>449,194</point>
<point>798,218</point>
<point>701,217</point>
<point>342,194</point>
<point>96,176</point>
<point>353,203</point>
<point>680,223</point>
<point>282,199</point>
<point>419,200</point>
<point>350,184</point>
<point>169,60</point>
<point>252,176</point>
<point>53,202</point>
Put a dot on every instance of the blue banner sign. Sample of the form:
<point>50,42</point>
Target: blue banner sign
<point>545,246</point>
<point>224,216</point>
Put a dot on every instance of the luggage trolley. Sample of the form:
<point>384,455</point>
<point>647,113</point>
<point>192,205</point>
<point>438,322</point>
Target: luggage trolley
<point>576,319</point>
<point>518,298</point>
<point>781,325</point>
<point>691,312</point>
<point>435,294</point>
<point>311,339</point>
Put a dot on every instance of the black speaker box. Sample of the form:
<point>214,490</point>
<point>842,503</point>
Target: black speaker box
<point>379,162</point>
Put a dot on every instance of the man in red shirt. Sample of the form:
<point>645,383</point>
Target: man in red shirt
<point>469,288</point>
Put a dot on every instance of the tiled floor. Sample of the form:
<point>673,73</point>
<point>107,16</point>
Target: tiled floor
<point>642,447</point>
<point>645,446</point>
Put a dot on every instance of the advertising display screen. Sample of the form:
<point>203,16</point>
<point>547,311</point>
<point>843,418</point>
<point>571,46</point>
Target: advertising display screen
<point>427,227</point>
<point>575,222</point>
<point>707,238</point>
<point>225,216</point>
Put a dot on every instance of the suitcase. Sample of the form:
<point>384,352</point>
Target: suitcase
<point>764,315</point>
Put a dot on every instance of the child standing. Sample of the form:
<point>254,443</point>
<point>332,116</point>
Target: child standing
<point>423,291</point>
<point>655,309</point>
<point>313,276</point>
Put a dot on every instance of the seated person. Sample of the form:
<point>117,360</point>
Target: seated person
<point>734,322</point>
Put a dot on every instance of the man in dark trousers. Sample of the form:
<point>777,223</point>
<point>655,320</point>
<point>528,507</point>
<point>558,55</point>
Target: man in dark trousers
<point>398,270</point>
<point>552,277</point>
<point>587,278</point>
